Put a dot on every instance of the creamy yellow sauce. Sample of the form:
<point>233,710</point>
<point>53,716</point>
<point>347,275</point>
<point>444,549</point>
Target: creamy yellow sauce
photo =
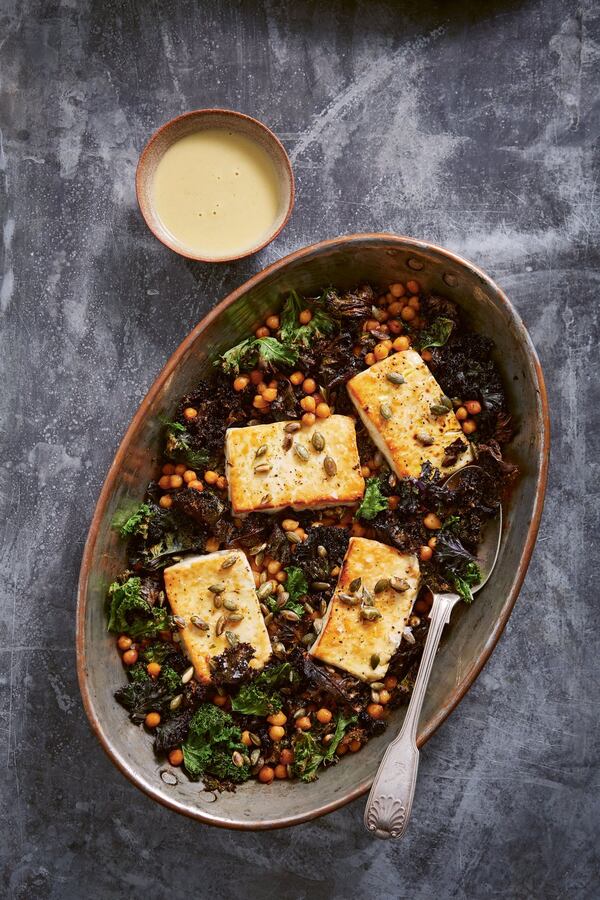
<point>216,192</point>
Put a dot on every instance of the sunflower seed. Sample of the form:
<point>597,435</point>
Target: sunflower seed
<point>386,411</point>
<point>255,756</point>
<point>187,675</point>
<point>229,561</point>
<point>176,701</point>
<point>254,550</point>
<point>301,452</point>
<point>399,584</point>
<point>293,538</point>
<point>354,585</point>
<point>382,585</point>
<point>216,588</point>
<point>330,466</point>
<point>235,617</point>
<point>199,623</point>
<point>232,638</point>
<point>369,613</point>
<point>237,759</point>
<point>179,621</point>
<point>425,439</point>
<point>322,551</point>
<point>396,378</point>
<point>262,468</point>
<point>261,450</point>
<point>231,605</point>
<point>289,615</point>
<point>375,660</point>
<point>291,427</point>
<point>265,590</point>
<point>348,599</point>
<point>320,585</point>
<point>220,626</point>
<point>318,441</point>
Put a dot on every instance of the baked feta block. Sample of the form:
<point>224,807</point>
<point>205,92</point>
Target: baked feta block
<point>373,599</point>
<point>272,466</point>
<point>198,589</point>
<point>402,407</point>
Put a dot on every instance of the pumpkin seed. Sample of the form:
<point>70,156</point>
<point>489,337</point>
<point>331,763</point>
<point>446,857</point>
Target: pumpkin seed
<point>254,756</point>
<point>254,550</point>
<point>279,649</point>
<point>322,551</point>
<point>299,713</point>
<point>220,626</point>
<point>293,538</point>
<point>187,675</point>
<point>323,607</point>
<point>289,615</point>
<point>374,696</point>
<point>261,450</point>
<point>237,759</point>
<point>255,739</point>
<point>385,411</point>
<point>232,638</point>
<point>231,605</point>
<point>229,561</point>
<point>264,609</point>
<point>409,636</point>
<point>377,685</point>
<point>320,585</point>
<point>317,625</point>
<point>199,623</point>
<point>235,617</point>
<point>354,585</point>
<point>262,468</point>
<point>265,590</point>
<point>179,621</point>
<point>301,452</point>
<point>216,588</point>
<point>268,618</point>
<point>288,440</point>
<point>348,599</point>
<point>217,601</point>
<point>369,613</point>
<point>258,765</point>
<point>392,480</point>
<point>330,466</point>
<point>399,584</point>
<point>375,660</point>
<point>308,607</point>
<point>308,639</point>
<point>396,378</point>
<point>246,759</point>
<point>367,597</point>
<point>259,558</point>
<point>282,599</point>
<point>436,409</point>
<point>291,427</point>
<point>425,439</point>
<point>169,777</point>
<point>377,313</point>
<point>382,585</point>
<point>318,441</point>
<point>176,702</point>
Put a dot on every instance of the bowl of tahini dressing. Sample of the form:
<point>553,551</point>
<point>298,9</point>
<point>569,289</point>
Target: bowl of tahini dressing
<point>215,185</point>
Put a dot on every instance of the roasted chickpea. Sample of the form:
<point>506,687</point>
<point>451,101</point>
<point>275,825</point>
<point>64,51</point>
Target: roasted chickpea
<point>432,542</point>
<point>323,410</point>
<point>469,426</point>
<point>354,746</point>
<point>425,553</point>
<point>413,286</point>
<point>124,642</point>
<point>241,383</point>
<point>309,385</point>
<point>176,757</point>
<point>272,322</point>
<point>211,477</point>
<point>473,407</point>
<point>305,317</point>
<point>189,475</point>
<point>270,394</point>
<point>221,482</point>
<point>375,710</point>
<point>266,775</point>
<point>286,757</point>
<point>164,482</point>
<point>369,359</point>
<point>262,332</point>
<point>324,716</point>
<point>290,524</point>
<point>212,545</point>
<point>408,314</point>
<point>152,720</point>
<point>276,732</point>
<point>390,682</point>
<point>380,352</point>
<point>303,723</point>
<point>277,718</point>
<point>190,413</point>
<point>401,343</point>
<point>426,355</point>
<point>196,485</point>
<point>153,669</point>
<point>256,376</point>
<point>432,521</point>
<point>168,469</point>
<point>365,471</point>
<point>166,501</point>
<point>397,289</point>
<point>281,771</point>
<point>308,404</point>
<point>297,378</point>
<point>220,699</point>
<point>176,481</point>
<point>308,419</point>
<point>461,413</point>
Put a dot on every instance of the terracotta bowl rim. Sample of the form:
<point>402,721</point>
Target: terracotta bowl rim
<point>403,242</point>
<point>140,177</point>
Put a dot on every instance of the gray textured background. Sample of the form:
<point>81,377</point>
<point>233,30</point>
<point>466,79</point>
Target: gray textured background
<point>472,124</point>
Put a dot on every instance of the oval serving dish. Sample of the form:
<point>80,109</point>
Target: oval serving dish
<point>344,262</point>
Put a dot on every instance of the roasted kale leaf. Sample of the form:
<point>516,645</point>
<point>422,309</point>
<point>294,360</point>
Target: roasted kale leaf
<point>373,502</point>
<point>212,740</point>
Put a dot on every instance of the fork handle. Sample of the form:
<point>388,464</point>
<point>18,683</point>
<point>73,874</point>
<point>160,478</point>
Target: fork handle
<point>390,801</point>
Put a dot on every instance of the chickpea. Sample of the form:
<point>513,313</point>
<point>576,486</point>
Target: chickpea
<point>461,413</point>
<point>124,642</point>
<point>166,501</point>
<point>395,308</point>
<point>290,524</point>
<point>309,385</point>
<point>425,553</point>
<point>211,477</point>
<point>375,710</point>
<point>261,388</point>
<point>273,567</point>
<point>153,669</point>
<point>164,482</point>
<point>276,732</point>
<point>190,413</point>
<point>432,542</point>
<point>365,471</point>
<point>323,410</point>
<point>380,352</point>
<point>324,716</point>
<point>189,475</point>
<point>297,378</point>
<point>256,376</point>
<point>342,749</point>
<point>220,699</point>
<point>241,383</point>
<point>246,739</point>
<point>358,530</point>
<point>397,289</point>
<point>305,317</point>
<point>180,469</point>
<point>259,403</point>
<point>196,485</point>
<point>281,771</point>
<point>304,723</point>
<point>354,746</point>
<point>395,326</point>
<point>286,757</point>
<point>301,533</point>
<point>473,407</point>
<point>308,404</point>
<point>426,355</point>
<point>432,521</point>
<point>413,286</point>
<point>176,481</point>
<point>277,718</point>
<point>272,322</point>
<point>262,332</point>
<point>176,757</point>
<point>152,720</point>
<point>384,301</point>
<point>414,303</point>
<point>308,419</point>
<point>371,324</point>
<point>369,359</point>
<point>393,502</point>
<point>390,682</point>
<point>408,314</point>
<point>212,545</point>
<point>281,577</point>
<point>266,775</point>
<point>401,343</point>
<point>168,469</point>
<point>469,426</point>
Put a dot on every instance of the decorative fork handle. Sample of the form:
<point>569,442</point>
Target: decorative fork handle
<point>390,801</point>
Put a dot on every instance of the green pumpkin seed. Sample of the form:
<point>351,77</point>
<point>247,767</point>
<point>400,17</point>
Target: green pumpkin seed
<point>369,613</point>
<point>220,626</point>
<point>291,427</point>
<point>396,378</point>
<point>377,685</point>
<point>367,597</point>
<point>265,590</point>
<point>229,561</point>
<point>216,588</point>
<point>261,450</point>
<point>179,621</point>
<point>217,601</point>
<point>348,599</point>
<point>318,441</point>
<point>199,623</point>
<point>354,585</point>
<point>301,452</point>
<point>230,605</point>
<point>399,584</point>
<point>289,615</point>
<point>232,638</point>
<point>322,551</point>
<point>386,411</point>
<point>382,585</point>
<point>436,409</point>
<point>320,586</point>
<point>262,469</point>
<point>424,438</point>
<point>287,442</point>
<point>279,649</point>
<point>176,702</point>
<point>187,675</point>
<point>293,538</point>
<point>330,466</point>
<point>255,739</point>
<point>254,550</point>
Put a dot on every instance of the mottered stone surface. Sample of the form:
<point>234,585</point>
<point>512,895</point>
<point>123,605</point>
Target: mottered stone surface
<point>472,124</point>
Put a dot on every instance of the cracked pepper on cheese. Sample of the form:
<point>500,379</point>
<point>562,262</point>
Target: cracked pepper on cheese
<point>347,639</point>
<point>188,587</point>
<point>394,398</point>
<point>270,467</point>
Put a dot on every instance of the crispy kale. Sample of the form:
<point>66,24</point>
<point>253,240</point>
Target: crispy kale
<point>458,565</point>
<point>373,502</point>
<point>212,740</point>
<point>315,566</point>
<point>178,446</point>
<point>436,335</point>
<point>309,753</point>
<point>133,521</point>
<point>351,305</point>
<point>293,334</point>
<point>232,666</point>
<point>142,696</point>
<point>126,601</point>
<point>173,733</point>
<point>265,352</point>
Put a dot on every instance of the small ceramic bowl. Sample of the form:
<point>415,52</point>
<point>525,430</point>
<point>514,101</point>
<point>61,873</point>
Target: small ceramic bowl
<point>199,120</point>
